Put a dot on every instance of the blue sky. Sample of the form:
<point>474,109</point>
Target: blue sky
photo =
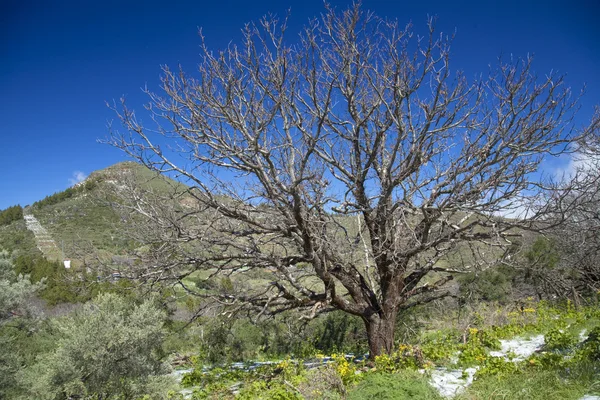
<point>61,60</point>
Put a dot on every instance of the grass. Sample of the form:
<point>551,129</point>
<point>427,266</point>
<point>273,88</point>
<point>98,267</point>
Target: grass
<point>535,385</point>
<point>403,385</point>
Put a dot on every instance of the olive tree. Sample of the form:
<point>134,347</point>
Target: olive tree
<point>349,164</point>
<point>111,348</point>
<point>17,318</point>
<point>15,292</point>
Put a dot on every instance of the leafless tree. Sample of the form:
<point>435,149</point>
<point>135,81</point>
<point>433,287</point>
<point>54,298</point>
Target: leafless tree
<point>577,237</point>
<point>349,164</point>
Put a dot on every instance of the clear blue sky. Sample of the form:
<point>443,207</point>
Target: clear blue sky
<point>61,60</point>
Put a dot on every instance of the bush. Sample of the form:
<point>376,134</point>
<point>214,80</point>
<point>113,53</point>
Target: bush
<point>591,346</point>
<point>338,332</point>
<point>322,384</point>
<point>110,349</point>
<point>226,340</point>
<point>557,339</point>
<point>261,390</point>
<point>494,284</point>
<point>405,385</point>
<point>17,239</point>
<point>16,322</point>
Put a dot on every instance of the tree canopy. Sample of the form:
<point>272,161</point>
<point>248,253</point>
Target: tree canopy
<point>351,164</point>
<point>13,213</point>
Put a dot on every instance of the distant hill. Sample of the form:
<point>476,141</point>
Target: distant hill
<point>81,219</point>
<point>80,224</point>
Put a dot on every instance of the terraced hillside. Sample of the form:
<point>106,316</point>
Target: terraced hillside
<point>82,222</point>
<point>43,239</point>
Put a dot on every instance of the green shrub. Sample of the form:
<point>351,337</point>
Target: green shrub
<point>338,332</point>
<point>322,383</point>
<point>262,390</point>
<point>405,385</point>
<point>203,284</point>
<point>472,354</point>
<point>559,339</point>
<point>497,366</point>
<point>406,356</point>
<point>17,320</point>
<point>440,345</point>
<point>17,239</point>
<point>275,381</point>
<point>109,349</point>
<point>494,284</point>
<point>546,360</point>
<point>59,288</point>
<point>591,347</point>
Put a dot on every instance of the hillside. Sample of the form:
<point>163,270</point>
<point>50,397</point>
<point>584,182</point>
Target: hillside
<point>81,222</point>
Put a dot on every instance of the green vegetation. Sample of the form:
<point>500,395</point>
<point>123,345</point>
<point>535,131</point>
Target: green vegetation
<point>11,214</point>
<point>84,220</point>
<point>110,349</point>
<point>402,385</point>
<point>61,286</point>
<point>16,321</point>
<point>16,238</point>
<point>68,193</point>
<point>538,385</point>
<point>565,366</point>
<point>299,203</point>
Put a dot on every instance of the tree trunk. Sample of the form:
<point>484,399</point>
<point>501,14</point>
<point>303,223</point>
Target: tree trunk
<point>380,334</point>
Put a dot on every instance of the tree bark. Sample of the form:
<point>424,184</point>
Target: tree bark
<point>380,334</point>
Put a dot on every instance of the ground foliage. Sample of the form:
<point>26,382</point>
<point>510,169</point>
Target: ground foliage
<point>564,360</point>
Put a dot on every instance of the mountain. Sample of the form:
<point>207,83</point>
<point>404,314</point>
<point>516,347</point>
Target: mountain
<point>81,221</point>
<point>83,226</point>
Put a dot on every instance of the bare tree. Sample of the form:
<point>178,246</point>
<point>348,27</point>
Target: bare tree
<point>577,237</point>
<point>349,164</point>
